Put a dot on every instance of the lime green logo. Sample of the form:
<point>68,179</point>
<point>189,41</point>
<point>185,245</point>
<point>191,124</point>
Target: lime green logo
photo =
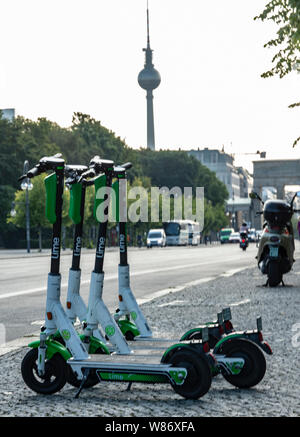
<point>133,315</point>
<point>110,330</point>
<point>65,334</point>
<point>178,376</point>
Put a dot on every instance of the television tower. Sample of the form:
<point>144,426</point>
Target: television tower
<point>149,79</point>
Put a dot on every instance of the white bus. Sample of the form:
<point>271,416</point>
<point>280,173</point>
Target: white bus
<point>194,233</point>
<point>181,232</point>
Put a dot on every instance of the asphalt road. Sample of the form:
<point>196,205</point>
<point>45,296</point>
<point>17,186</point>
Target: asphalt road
<point>23,279</point>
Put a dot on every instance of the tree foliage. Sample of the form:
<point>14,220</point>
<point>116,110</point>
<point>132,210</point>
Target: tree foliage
<point>23,139</point>
<point>286,14</point>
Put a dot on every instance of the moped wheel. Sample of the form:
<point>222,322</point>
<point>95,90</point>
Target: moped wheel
<point>55,373</point>
<point>198,379</point>
<point>274,274</point>
<point>254,367</point>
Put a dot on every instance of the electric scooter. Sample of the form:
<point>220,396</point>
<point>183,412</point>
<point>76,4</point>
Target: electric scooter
<point>129,314</point>
<point>45,368</point>
<point>276,248</point>
<point>131,319</point>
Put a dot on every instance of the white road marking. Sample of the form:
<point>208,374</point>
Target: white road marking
<point>115,276</point>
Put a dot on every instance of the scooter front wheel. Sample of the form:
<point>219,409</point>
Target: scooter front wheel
<point>254,367</point>
<point>198,379</point>
<point>54,378</point>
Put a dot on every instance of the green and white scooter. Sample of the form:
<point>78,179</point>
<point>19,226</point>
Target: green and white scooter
<point>132,321</point>
<point>75,306</point>
<point>46,366</point>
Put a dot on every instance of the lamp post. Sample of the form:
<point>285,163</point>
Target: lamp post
<point>26,186</point>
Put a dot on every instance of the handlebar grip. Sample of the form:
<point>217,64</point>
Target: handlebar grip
<point>33,172</point>
<point>90,173</point>
<point>127,165</point>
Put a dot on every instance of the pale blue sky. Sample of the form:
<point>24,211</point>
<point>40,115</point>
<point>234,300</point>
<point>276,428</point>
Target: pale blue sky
<point>58,57</point>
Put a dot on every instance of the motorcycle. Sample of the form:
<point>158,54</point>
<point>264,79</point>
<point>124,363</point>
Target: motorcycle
<point>244,240</point>
<point>276,247</point>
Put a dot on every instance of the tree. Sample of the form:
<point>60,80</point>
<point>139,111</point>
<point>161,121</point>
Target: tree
<point>37,201</point>
<point>286,14</point>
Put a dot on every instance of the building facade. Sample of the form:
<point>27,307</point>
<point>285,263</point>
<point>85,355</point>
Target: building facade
<point>223,165</point>
<point>8,114</point>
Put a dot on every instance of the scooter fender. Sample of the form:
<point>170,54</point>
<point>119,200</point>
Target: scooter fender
<point>187,335</point>
<point>95,345</point>
<point>177,346</point>
<point>128,326</point>
<point>53,347</point>
<point>263,345</point>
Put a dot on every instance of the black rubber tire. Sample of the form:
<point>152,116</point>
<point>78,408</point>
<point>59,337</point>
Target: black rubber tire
<point>55,373</point>
<point>92,378</point>
<point>198,379</point>
<point>254,368</point>
<point>274,274</point>
<point>129,336</point>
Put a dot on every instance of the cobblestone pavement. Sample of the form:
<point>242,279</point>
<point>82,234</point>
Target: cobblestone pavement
<point>278,394</point>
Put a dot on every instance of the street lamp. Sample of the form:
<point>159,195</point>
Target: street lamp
<point>26,186</point>
<point>13,212</point>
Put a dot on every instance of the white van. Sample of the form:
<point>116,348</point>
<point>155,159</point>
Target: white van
<point>156,237</point>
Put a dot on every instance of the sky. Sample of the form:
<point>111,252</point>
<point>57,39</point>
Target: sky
<point>62,56</point>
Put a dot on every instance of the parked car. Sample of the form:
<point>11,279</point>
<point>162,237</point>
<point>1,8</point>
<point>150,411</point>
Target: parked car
<point>234,237</point>
<point>252,237</point>
<point>225,234</point>
<point>156,237</point>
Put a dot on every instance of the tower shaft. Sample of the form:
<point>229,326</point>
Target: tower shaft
<point>150,121</point>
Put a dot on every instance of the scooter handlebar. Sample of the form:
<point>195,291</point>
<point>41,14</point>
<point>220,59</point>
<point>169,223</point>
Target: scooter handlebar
<point>35,171</point>
<point>127,165</point>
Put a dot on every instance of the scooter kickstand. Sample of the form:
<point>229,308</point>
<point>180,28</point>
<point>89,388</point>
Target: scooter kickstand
<point>129,386</point>
<point>85,377</point>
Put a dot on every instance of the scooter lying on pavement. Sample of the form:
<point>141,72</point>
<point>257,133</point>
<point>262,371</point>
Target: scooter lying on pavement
<point>276,248</point>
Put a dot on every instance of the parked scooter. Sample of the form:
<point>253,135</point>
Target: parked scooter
<point>276,248</point>
<point>244,240</point>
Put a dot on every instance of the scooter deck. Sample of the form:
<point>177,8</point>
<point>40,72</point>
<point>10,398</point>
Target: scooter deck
<point>151,343</point>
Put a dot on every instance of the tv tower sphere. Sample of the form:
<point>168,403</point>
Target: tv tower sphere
<point>149,78</point>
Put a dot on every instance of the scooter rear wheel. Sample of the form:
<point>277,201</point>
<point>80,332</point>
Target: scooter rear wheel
<point>254,367</point>
<point>55,373</point>
<point>274,274</point>
<point>198,379</point>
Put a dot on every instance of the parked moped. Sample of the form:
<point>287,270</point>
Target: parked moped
<point>276,247</point>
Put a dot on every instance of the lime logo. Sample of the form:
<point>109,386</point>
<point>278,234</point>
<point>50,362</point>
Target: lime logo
<point>133,315</point>
<point>65,334</point>
<point>110,330</point>
<point>235,367</point>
